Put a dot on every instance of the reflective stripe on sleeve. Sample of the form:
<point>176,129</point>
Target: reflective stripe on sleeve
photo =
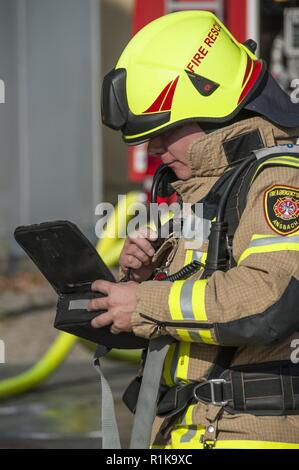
<point>198,300</point>
<point>282,160</point>
<point>269,244</point>
<point>186,304</point>
<point>187,300</point>
<point>174,300</point>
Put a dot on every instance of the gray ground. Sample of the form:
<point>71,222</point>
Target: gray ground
<point>64,411</point>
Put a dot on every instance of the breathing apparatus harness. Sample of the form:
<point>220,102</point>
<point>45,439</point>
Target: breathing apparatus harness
<point>222,385</point>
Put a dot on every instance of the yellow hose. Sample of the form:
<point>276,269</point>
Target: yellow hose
<point>27,380</point>
<point>111,257</point>
<point>109,247</point>
<point>127,355</point>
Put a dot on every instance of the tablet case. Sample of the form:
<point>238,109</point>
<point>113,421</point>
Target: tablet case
<point>70,263</point>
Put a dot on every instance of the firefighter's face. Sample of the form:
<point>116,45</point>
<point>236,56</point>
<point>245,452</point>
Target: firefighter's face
<point>172,147</point>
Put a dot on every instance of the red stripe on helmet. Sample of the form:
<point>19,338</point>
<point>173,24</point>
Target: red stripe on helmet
<point>159,101</point>
<point>168,100</point>
<point>257,68</point>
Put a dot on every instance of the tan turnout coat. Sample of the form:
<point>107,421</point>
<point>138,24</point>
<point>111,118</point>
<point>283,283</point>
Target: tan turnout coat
<point>245,292</point>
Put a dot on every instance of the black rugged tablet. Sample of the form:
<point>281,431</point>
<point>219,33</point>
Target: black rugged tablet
<point>70,263</point>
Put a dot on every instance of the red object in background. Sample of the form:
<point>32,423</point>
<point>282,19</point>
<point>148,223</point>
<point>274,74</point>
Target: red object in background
<point>146,11</point>
<point>141,166</point>
<point>236,18</point>
<point>234,13</point>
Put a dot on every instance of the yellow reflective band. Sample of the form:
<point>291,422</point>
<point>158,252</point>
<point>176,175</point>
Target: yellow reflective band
<point>194,443</point>
<point>196,336</point>
<point>259,237</point>
<point>272,237</point>
<point>254,445</point>
<point>186,437</point>
<point>192,255</point>
<point>283,158</point>
<point>188,257</point>
<point>183,362</point>
<point>275,244</point>
<point>206,337</point>
<point>174,303</point>
<point>186,419</point>
<point>182,307</point>
<point>204,258</point>
<point>184,334</point>
<point>287,161</point>
<point>268,249</point>
<point>198,300</point>
<point>167,366</point>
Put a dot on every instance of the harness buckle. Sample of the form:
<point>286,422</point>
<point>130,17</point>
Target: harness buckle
<point>208,444</point>
<point>212,383</point>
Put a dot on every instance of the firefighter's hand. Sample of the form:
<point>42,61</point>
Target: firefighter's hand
<point>137,254</point>
<point>119,303</point>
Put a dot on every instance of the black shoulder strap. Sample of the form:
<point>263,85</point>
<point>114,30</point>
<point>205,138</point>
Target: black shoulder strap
<point>238,197</point>
<point>211,200</point>
<point>237,202</point>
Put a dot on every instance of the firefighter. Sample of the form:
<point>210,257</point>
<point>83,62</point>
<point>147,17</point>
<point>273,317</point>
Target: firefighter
<point>205,104</point>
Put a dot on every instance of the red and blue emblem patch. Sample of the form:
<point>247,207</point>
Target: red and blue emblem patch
<point>281,206</point>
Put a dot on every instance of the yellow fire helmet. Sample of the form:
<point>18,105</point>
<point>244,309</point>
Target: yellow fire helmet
<point>185,67</point>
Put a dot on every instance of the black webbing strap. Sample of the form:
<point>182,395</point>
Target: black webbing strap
<point>261,389</point>
<point>223,361</point>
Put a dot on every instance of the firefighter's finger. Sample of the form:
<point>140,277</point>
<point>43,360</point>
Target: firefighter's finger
<point>102,303</point>
<point>131,261</point>
<point>135,251</point>
<point>104,319</point>
<point>114,330</point>
<point>143,244</point>
<point>101,286</point>
<point>145,232</point>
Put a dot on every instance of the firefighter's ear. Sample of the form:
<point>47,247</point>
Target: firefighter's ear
<point>162,180</point>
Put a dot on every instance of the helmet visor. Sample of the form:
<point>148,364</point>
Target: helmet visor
<point>115,110</point>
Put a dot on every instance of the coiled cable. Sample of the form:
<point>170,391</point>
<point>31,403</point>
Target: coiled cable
<point>185,272</point>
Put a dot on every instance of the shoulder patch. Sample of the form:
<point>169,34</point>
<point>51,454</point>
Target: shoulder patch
<point>281,208</point>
